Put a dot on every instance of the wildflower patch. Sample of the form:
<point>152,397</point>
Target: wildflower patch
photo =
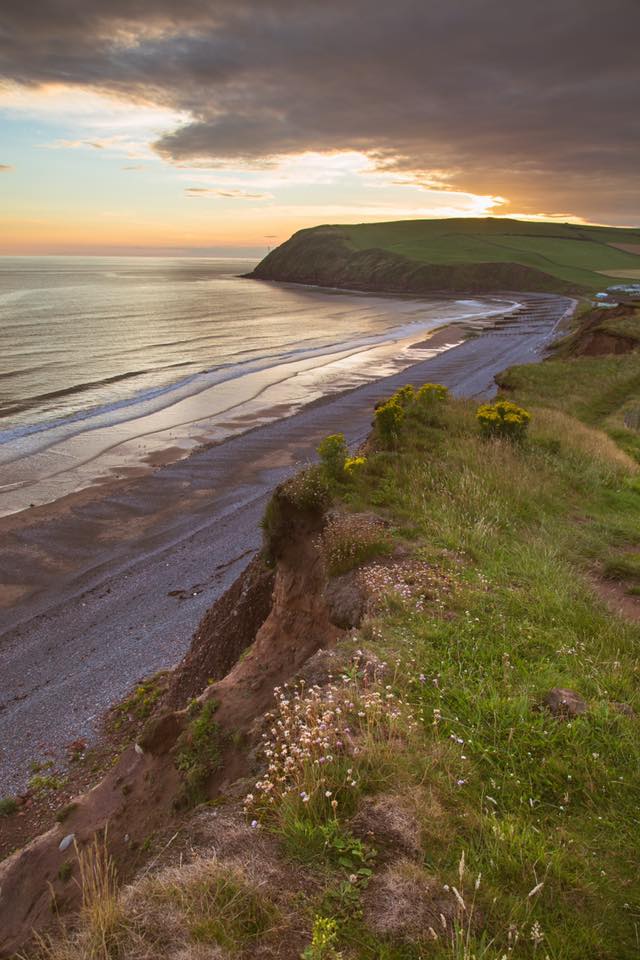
<point>503,419</point>
<point>320,746</point>
<point>350,539</point>
<point>412,583</point>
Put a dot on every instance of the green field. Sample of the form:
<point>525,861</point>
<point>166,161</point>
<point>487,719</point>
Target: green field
<point>571,252</point>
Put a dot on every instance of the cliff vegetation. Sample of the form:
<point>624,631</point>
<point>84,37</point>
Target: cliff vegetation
<point>423,741</point>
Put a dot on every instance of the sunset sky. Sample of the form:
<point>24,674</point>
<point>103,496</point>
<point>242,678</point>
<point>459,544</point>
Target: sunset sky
<point>159,126</point>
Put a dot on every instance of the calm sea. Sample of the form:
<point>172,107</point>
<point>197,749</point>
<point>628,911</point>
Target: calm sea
<point>88,341</point>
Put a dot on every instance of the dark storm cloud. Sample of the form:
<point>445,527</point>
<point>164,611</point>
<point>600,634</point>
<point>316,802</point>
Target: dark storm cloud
<point>534,101</point>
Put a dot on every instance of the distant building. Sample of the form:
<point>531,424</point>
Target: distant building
<point>604,301</point>
<point>624,293</point>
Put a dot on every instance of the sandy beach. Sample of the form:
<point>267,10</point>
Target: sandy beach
<point>106,584</point>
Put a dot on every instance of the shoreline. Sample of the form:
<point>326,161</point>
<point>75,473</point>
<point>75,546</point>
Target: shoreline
<point>103,454</point>
<point>66,504</point>
<point>91,596</point>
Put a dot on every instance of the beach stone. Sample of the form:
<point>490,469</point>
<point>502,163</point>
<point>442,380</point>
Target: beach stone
<point>564,703</point>
<point>345,601</point>
<point>66,842</point>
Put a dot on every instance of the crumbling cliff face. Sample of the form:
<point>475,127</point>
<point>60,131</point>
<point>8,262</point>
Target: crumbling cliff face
<point>224,633</point>
<point>255,637</point>
<point>602,332</point>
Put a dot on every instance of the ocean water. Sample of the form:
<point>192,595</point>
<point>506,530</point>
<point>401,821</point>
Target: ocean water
<point>85,337</point>
<point>99,350</point>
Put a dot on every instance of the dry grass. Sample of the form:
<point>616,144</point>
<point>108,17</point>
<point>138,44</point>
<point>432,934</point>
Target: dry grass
<point>391,822</point>
<point>405,903</point>
<point>206,908</point>
<point>104,925</point>
<point>205,902</point>
<point>587,442</point>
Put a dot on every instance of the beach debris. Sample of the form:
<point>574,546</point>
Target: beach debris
<point>66,842</point>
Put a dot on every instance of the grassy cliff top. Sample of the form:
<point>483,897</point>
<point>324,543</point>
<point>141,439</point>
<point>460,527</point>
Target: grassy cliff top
<point>583,255</point>
<point>456,255</point>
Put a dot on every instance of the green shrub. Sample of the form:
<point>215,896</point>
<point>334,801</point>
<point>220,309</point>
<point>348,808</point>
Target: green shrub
<point>41,783</point>
<point>503,419</point>
<point>430,399</point>
<point>198,753</point>
<point>333,452</point>
<point>327,843</point>
<point>140,703</point>
<point>8,805</point>
<point>432,393</point>
<point>388,422</point>
<point>353,466</point>
<point>405,396</point>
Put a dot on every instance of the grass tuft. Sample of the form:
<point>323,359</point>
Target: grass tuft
<point>198,753</point>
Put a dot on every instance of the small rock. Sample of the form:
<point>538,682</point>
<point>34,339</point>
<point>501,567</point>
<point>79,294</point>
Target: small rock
<point>345,601</point>
<point>138,749</point>
<point>159,734</point>
<point>66,842</point>
<point>320,668</point>
<point>624,708</point>
<point>565,704</point>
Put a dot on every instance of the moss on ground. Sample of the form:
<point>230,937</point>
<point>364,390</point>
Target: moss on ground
<point>198,752</point>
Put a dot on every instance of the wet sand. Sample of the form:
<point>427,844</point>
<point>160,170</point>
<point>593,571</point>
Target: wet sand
<point>87,581</point>
<point>56,467</point>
